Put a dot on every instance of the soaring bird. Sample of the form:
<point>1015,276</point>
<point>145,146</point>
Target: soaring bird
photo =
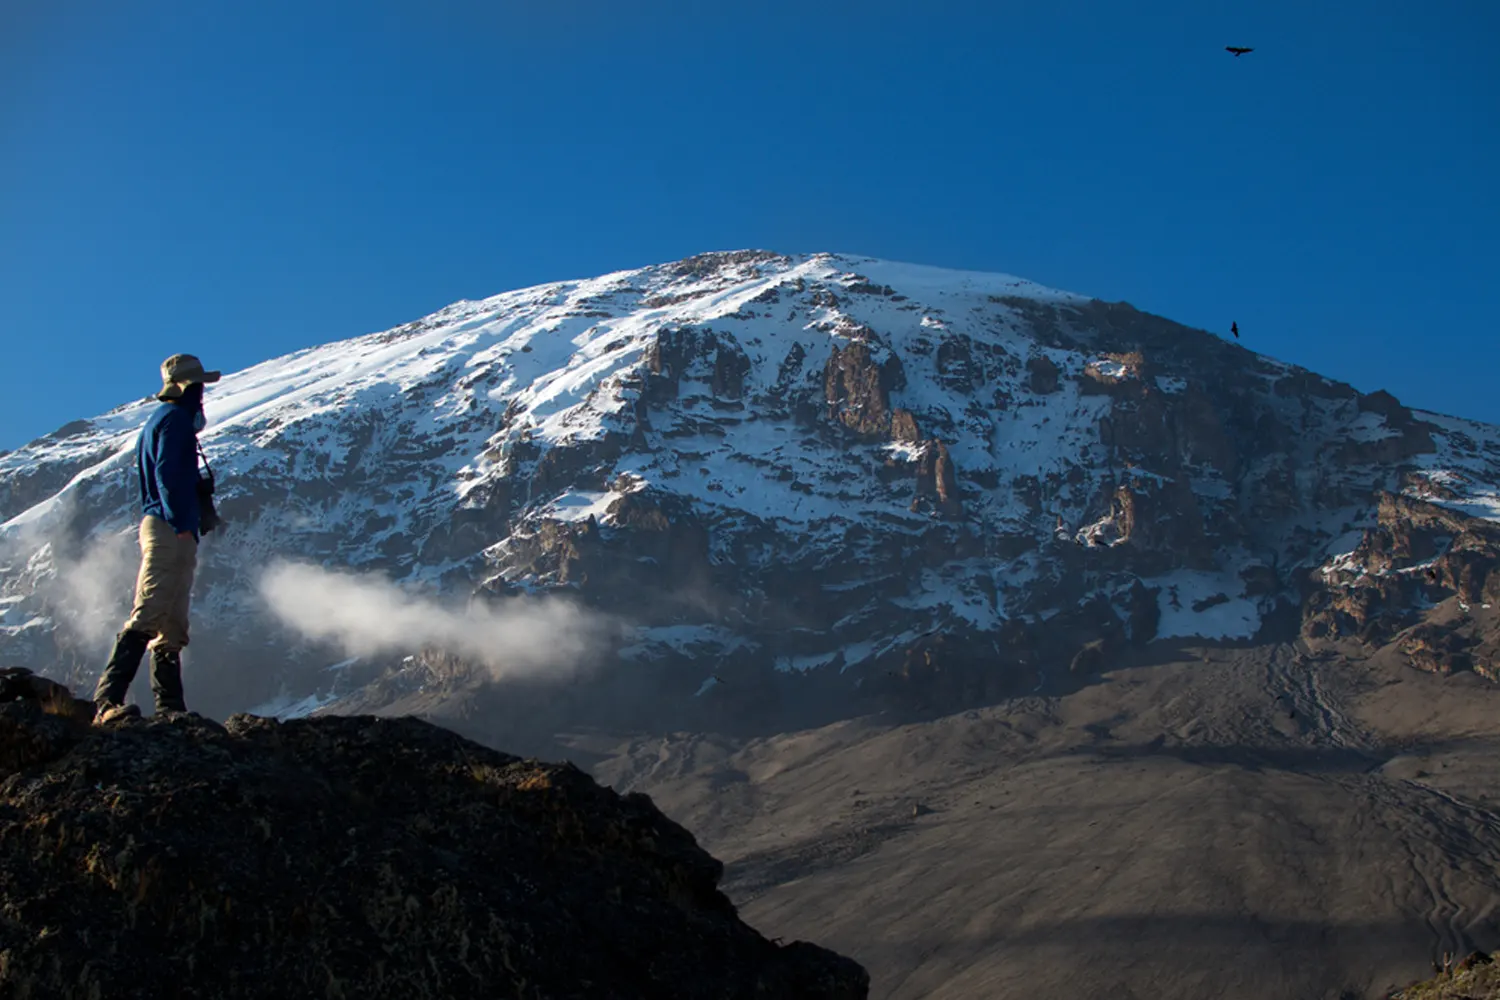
<point>1234,328</point>
<point>1237,50</point>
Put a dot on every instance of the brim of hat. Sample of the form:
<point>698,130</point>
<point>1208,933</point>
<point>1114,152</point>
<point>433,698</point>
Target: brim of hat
<point>174,390</point>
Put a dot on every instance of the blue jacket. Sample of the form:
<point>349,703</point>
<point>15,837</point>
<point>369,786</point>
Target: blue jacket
<point>166,459</point>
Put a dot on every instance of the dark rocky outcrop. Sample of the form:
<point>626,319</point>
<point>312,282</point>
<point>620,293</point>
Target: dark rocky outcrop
<point>730,368</point>
<point>937,480</point>
<point>857,389</point>
<point>1161,518</point>
<point>1044,375</point>
<point>904,427</point>
<point>349,857</point>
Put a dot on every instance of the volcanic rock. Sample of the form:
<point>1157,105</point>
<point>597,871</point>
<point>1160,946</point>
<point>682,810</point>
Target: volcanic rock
<point>350,857</point>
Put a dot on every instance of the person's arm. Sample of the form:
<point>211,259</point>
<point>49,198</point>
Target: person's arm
<point>177,473</point>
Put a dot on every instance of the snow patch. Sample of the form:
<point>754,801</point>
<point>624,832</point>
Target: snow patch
<point>1339,554</point>
<point>1370,427</point>
<point>905,451</point>
<point>1171,384</point>
<point>1457,491</point>
<point>579,506</point>
<point>1205,604</point>
<point>37,622</point>
<point>684,639</point>
<point>1103,533</point>
<point>288,706</point>
<point>1112,369</point>
<point>956,589</point>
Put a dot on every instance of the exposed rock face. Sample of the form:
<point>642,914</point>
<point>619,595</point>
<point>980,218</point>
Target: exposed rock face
<point>858,389</point>
<point>938,482</point>
<point>1424,580</point>
<point>1160,519</point>
<point>904,427</point>
<point>350,857</point>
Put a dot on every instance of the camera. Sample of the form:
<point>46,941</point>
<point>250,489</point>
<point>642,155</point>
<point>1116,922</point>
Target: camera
<point>208,517</point>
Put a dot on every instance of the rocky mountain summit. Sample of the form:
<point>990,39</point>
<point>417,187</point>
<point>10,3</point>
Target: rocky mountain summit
<point>793,473</point>
<point>349,857</point>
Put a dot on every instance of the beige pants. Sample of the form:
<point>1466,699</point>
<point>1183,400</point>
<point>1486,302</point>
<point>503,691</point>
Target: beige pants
<point>164,585</point>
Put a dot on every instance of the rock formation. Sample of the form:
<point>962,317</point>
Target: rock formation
<point>1423,580</point>
<point>349,857</point>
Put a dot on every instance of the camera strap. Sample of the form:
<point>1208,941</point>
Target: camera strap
<point>207,468</point>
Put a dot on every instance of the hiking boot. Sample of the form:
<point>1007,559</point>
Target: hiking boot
<point>110,711</point>
<point>166,681</point>
<point>124,661</point>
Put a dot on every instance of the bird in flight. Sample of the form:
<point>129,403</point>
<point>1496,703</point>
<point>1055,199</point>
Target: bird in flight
<point>1234,328</point>
<point>1237,50</point>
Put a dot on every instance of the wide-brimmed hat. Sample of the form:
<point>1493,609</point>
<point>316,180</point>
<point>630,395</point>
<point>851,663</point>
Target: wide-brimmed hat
<point>180,371</point>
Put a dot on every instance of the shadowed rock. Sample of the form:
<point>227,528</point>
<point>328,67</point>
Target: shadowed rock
<point>350,857</point>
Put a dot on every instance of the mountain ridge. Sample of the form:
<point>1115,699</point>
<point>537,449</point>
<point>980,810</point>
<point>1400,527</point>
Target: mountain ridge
<point>817,464</point>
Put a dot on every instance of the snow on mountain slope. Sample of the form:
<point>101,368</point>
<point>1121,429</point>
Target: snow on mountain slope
<point>1463,472</point>
<point>766,461</point>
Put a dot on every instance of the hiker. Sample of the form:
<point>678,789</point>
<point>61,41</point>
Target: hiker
<point>166,458</point>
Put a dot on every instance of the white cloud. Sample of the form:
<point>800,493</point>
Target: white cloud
<point>368,614</point>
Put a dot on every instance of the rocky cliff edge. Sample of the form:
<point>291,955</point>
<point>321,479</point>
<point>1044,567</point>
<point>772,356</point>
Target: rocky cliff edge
<point>349,857</point>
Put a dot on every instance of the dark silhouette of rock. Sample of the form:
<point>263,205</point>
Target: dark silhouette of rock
<point>1044,375</point>
<point>1090,659</point>
<point>350,857</point>
<point>1144,613</point>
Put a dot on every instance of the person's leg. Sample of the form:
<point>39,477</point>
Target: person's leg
<point>166,680</point>
<point>119,671</point>
<point>150,589</point>
<point>166,651</point>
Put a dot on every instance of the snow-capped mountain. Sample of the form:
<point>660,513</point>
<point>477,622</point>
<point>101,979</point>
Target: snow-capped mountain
<point>890,477</point>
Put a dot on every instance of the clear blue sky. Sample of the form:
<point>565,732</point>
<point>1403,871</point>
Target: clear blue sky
<point>241,180</point>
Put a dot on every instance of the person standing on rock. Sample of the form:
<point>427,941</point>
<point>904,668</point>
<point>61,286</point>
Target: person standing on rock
<point>171,521</point>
